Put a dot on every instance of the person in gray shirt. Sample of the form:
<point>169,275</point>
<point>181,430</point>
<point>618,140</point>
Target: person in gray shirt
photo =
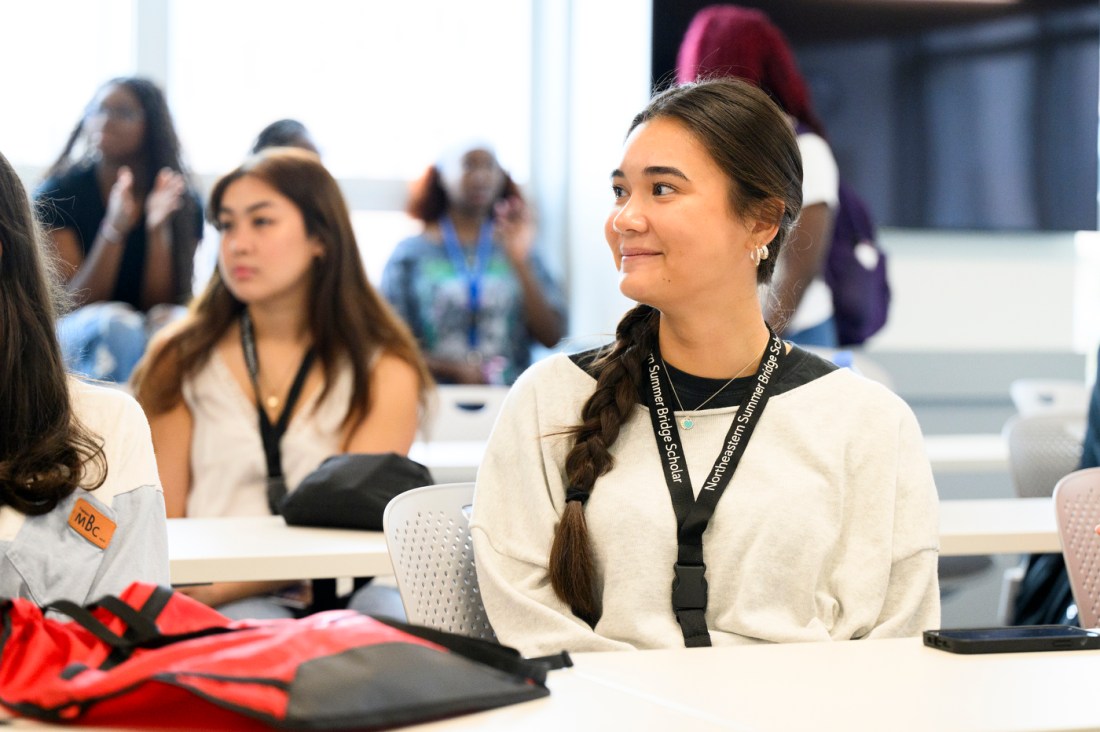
<point>81,507</point>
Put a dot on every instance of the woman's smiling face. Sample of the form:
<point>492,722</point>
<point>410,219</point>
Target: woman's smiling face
<point>672,231</point>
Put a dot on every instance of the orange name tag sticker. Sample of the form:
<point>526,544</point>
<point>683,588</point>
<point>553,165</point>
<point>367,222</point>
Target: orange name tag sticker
<point>91,523</point>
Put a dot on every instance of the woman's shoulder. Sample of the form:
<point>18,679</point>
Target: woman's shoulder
<point>102,405</point>
<point>118,423</point>
<point>65,199</point>
<point>416,245</point>
<point>839,383</point>
<point>389,368</point>
<point>75,179</point>
<point>817,156</point>
<point>558,377</point>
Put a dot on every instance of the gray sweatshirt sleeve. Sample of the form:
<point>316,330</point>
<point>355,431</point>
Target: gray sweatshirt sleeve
<point>912,602</point>
<point>517,504</point>
<point>139,548</point>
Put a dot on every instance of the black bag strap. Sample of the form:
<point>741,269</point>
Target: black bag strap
<point>502,658</point>
<point>141,627</point>
<point>83,617</point>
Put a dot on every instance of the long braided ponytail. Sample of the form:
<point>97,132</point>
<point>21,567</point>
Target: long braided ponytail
<point>572,573</point>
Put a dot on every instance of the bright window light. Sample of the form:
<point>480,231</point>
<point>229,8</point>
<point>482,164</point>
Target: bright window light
<point>55,55</point>
<point>382,86</point>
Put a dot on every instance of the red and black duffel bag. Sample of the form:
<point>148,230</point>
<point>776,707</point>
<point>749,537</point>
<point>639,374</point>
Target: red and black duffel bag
<point>154,657</point>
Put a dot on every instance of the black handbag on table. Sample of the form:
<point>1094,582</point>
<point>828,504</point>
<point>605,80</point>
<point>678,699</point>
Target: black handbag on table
<point>351,491</point>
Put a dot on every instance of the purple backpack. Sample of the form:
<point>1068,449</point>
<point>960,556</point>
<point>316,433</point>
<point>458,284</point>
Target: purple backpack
<point>855,271</point>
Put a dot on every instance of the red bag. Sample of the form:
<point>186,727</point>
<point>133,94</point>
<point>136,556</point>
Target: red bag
<point>156,658</point>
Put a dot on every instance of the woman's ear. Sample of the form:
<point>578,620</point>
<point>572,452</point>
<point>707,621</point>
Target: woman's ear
<point>765,223</point>
<point>763,233</point>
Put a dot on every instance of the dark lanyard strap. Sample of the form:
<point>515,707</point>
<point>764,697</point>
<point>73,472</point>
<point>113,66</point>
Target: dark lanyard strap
<point>272,434</point>
<point>689,587</point>
<point>472,274</point>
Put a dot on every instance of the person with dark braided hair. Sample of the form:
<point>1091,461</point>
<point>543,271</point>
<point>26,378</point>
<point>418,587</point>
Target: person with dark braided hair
<point>81,509</point>
<point>125,224</point>
<point>699,480</point>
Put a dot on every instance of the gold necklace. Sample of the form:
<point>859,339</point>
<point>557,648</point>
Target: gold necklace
<point>274,396</point>
<point>686,421</point>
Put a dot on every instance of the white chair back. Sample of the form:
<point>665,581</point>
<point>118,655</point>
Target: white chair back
<point>463,412</point>
<point>1043,447</point>
<point>428,537</point>
<point>1077,507</point>
<point>1033,396</point>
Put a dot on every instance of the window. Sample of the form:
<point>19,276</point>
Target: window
<point>55,55</point>
<point>380,85</point>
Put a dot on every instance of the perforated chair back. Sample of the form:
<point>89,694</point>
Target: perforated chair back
<point>428,536</point>
<point>1077,506</point>
<point>1043,447</point>
<point>463,412</point>
<point>1032,396</point>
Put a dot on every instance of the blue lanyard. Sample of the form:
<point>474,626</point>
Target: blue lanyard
<point>473,276</point>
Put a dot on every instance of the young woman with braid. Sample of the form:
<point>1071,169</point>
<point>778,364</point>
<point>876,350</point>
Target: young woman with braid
<point>81,509</point>
<point>586,526</point>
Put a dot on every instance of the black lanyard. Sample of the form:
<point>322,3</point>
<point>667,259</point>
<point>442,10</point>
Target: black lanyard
<point>272,434</point>
<point>689,588</point>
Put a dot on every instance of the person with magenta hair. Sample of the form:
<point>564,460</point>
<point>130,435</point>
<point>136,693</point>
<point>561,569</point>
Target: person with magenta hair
<point>125,224</point>
<point>471,285</point>
<point>700,481</point>
<point>81,508</point>
<point>728,40</point>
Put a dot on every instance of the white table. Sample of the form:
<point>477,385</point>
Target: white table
<point>967,453</point>
<point>450,461</point>
<point>457,461</point>
<point>998,526</point>
<point>895,684</point>
<point>265,548</point>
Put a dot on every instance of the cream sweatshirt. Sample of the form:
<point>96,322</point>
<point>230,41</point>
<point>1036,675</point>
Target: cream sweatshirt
<point>828,530</point>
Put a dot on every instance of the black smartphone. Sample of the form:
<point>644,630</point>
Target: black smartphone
<point>1016,639</point>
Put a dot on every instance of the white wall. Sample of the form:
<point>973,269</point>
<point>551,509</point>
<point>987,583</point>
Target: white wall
<point>610,84</point>
<point>953,291</point>
<point>967,291</point>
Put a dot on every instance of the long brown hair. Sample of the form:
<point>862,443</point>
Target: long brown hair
<point>347,317</point>
<point>749,138</point>
<point>45,452</point>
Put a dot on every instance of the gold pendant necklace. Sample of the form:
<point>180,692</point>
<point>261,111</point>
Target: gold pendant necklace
<point>274,398</point>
